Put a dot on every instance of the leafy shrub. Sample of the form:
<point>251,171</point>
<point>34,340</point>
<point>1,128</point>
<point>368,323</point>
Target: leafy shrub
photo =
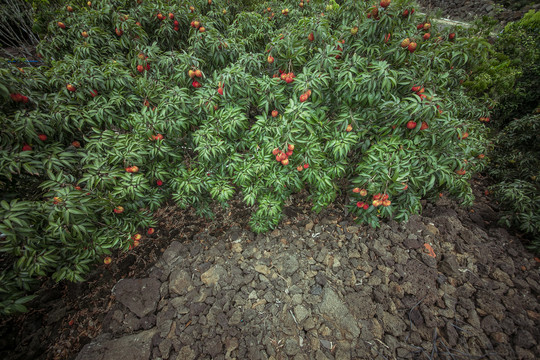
<point>520,44</point>
<point>516,168</point>
<point>134,107</point>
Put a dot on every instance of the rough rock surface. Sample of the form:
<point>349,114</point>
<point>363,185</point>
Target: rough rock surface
<point>323,287</point>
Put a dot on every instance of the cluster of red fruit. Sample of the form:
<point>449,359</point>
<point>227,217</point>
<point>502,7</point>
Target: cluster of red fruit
<point>157,137</point>
<point>409,45</point>
<point>192,75</point>
<point>374,13</point>
<point>132,169</point>
<point>419,90</point>
<point>424,26</point>
<point>305,96</point>
<point>407,12</point>
<point>362,192</point>
<point>412,125</point>
<point>197,25</point>
<point>385,3</point>
<point>19,98</point>
<point>145,66</point>
<point>484,119</point>
<point>287,77</point>
<point>171,16</point>
<point>381,199</point>
<point>283,156</point>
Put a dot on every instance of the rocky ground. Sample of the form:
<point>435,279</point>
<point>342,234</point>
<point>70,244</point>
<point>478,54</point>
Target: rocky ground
<point>322,287</point>
<point>469,10</point>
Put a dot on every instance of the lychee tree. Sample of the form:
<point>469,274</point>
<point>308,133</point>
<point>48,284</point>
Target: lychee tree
<point>140,102</point>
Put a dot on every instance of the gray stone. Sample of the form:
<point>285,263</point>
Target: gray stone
<point>213,275</point>
<point>393,324</point>
<point>139,295</point>
<point>131,347</point>
<point>172,253</point>
<point>301,313</point>
<point>287,264</point>
<point>336,311</point>
<point>180,282</point>
<point>186,353</point>
<point>316,289</point>
<point>291,347</point>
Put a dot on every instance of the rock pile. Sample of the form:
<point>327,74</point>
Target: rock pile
<point>446,284</point>
<point>467,10</point>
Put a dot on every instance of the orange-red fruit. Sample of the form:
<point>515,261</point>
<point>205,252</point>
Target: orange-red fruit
<point>405,186</point>
<point>311,37</point>
<point>464,136</point>
<point>119,32</point>
<point>270,59</point>
<point>427,26</point>
<point>461,172</point>
<point>299,168</point>
<point>42,137</point>
<point>191,74</point>
<point>285,162</point>
<point>196,84</point>
<point>275,151</point>
<point>220,91</point>
<point>424,126</point>
<point>198,73</point>
<point>134,169</point>
<point>151,231</point>
<point>76,144</point>
<point>69,8</point>
<point>451,36</point>
<point>349,128</point>
<point>202,29</point>
<point>196,24</point>
<point>386,203</point>
<point>289,153</point>
<point>275,113</point>
<point>84,34</point>
<point>363,192</point>
<point>171,16</point>
<point>107,260</point>
<point>140,68</point>
<point>26,147</point>
<point>481,156</point>
<point>427,36</point>
<point>61,25</point>
<point>290,147</point>
<point>303,97</point>
<point>377,203</point>
<point>306,166</point>
<point>420,26</point>
<point>119,209</point>
<point>71,87</point>
<point>137,237</point>
<point>405,43</point>
<point>411,125</point>
<point>412,47</point>
<point>356,190</point>
<point>385,3</point>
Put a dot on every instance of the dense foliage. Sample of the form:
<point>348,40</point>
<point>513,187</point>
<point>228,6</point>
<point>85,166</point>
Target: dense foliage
<point>519,44</point>
<point>516,168</point>
<point>144,101</point>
